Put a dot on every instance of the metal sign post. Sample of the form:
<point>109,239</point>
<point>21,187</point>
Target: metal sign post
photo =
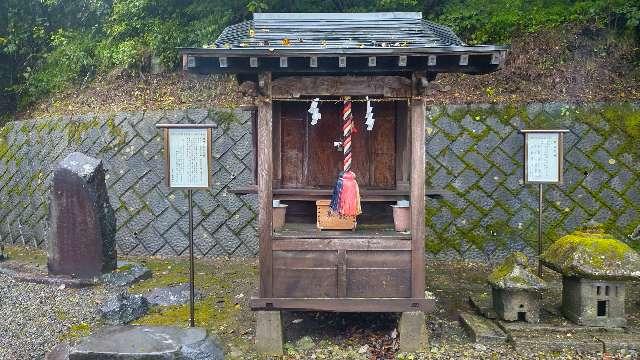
<point>187,155</point>
<point>543,164</point>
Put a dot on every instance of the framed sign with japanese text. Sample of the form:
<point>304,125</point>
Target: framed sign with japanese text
<point>187,153</point>
<point>543,156</point>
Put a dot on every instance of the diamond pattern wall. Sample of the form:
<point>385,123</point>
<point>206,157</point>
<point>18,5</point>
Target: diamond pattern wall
<point>151,218</point>
<point>474,152</point>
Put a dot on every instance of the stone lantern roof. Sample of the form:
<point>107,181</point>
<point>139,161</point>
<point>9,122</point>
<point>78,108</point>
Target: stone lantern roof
<point>591,253</point>
<point>514,274</point>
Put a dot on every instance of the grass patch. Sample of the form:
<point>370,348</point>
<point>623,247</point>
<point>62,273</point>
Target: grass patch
<point>26,254</point>
<point>227,285</point>
<point>76,332</point>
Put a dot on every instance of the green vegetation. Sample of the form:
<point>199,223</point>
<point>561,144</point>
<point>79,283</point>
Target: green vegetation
<point>76,332</point>
<point>26,254</point>
<point>513,274</point>
<point>507,266</point>
<point>47,45</point>
<point>226,285</point>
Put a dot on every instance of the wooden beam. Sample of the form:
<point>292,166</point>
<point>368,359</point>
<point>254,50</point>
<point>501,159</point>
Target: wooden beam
<point>265,176</point>
<point>344,304</point>
<point>316,194</point>
<point>296,86</point>
<point>417,115</point>
<point>352,242</point>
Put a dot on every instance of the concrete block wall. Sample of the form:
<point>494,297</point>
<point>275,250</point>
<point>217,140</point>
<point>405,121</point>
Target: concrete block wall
<point>475,152</point>
<point>151,219</point>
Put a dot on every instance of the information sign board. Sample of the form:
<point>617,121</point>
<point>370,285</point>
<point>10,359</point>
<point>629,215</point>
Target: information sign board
<point>543,156</point>
<point>188,155</point>
<point>187,152</point>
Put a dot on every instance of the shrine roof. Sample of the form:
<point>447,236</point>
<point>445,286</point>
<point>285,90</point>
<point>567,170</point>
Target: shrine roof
<point>382,34</point>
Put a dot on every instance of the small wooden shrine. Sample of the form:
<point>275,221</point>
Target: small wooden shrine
<point>348,68</point>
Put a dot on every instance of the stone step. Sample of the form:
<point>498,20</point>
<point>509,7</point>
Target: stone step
<point>481,329</point>
<point>141,342</point>
<point>536,341</point>
<point>482,304</point>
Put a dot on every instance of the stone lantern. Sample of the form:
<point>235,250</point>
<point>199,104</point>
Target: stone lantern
<point>594,268</point>
<point>516,290</point>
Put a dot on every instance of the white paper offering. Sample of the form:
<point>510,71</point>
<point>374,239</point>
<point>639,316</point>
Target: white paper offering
<point>542,157</point>
<point>188,161</point>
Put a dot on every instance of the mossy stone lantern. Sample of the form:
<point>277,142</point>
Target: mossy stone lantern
<point>516,290</point>
<point>594,268</point>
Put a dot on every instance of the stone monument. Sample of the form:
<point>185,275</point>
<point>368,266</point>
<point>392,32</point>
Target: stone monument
<point>83,224</point>
<point>516,290</point>
<point>594,268</point>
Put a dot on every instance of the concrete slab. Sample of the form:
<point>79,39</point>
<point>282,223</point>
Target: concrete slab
<point>142,342</point>
<point>535,341</point>
<point>483,305</point>
<point>481,329</point>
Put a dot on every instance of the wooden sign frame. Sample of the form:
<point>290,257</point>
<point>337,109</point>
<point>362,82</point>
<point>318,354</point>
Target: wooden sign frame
<point>560,157</point>
<point>167,152</point>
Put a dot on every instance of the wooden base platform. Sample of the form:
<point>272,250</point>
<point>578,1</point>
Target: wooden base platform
<point>344,304</point>
<point>311,231</point>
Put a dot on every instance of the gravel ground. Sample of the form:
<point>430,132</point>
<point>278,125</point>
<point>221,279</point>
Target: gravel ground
<point>34,317</point>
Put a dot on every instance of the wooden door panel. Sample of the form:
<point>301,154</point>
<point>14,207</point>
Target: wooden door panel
<point>360,164</point>
<point>383,147</point>
<point>305,274</point>
<point>325,161</point>
<point>379,273</point>
<point>309,158</point>
<point>293,143</point>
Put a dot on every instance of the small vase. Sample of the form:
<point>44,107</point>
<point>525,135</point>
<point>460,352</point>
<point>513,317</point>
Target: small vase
<point>402,216</point>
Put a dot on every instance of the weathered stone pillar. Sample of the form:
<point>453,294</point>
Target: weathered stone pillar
<point>269,335</point>
<point>413,332</point>
<point>83,224</point>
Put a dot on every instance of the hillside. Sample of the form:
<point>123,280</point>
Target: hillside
<point>571,64</point>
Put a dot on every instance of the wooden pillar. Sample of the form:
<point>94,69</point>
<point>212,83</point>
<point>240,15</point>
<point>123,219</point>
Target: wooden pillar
<point>417,116</point>
<point>277,145</point>
<point>265,178</point>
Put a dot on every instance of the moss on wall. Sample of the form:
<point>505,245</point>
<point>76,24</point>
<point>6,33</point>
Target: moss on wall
<point>619,122</point>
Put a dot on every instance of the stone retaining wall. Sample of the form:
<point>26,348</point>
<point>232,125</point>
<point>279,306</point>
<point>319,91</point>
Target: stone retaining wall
<point>475,152</point>
<point>151,219</point>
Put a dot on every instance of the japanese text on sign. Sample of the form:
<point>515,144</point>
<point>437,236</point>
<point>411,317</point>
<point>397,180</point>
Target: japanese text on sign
<point>542,157</point>
<point>188,160</point>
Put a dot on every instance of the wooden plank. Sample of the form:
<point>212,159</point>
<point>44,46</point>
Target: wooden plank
<point>293,144</point>
<point>296,86</point>
<point>316,194</point>
<point>344,304</point>
<point>325,162</point>
<point>265,176</point>
<point>382,157</point>
<point>277,145</point>
<point>361,143</point>
<point>305,282</point>
<point>403,147</point>
<point>342,273</point>
<point>304,259</point>
<point>379,283</point>
<point>417,113</point>
<point>283,243</point>
<point>379,259</point>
